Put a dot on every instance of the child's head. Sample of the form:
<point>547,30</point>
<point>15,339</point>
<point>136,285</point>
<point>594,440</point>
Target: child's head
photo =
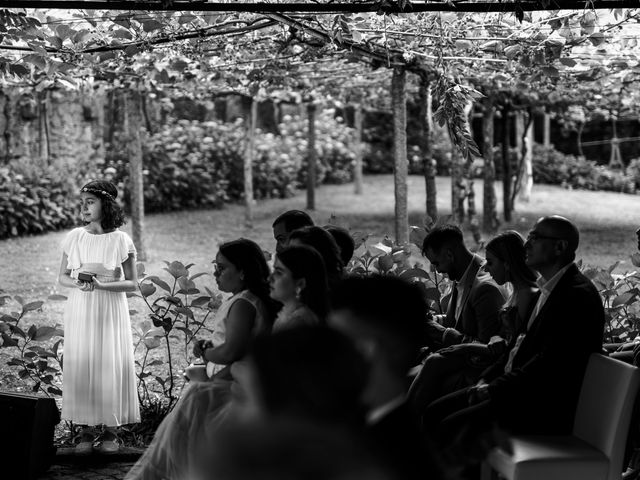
<point>99,204</point>
<point>240,264</point>
<point>299,273</point>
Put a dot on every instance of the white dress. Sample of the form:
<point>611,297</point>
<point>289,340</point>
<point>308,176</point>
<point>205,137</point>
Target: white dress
<point>99,381</point>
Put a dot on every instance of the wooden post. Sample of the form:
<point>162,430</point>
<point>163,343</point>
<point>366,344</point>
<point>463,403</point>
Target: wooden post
<point>131,127</point>
<point>425,121</point>
<point>400,164</point>
<point>506,164</point>
<point>311,157</point>
<point>358,147</point>
<point>526,181</point>
<point>248,164</point>
<point>490,208</point>
<point>546,137</point>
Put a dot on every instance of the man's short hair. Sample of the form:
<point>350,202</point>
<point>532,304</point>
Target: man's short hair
<point>388,309</point>
<point>293,219</point>
<point>442,235</point>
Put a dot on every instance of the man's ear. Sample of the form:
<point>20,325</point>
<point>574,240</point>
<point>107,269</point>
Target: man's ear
<point>562,247</point>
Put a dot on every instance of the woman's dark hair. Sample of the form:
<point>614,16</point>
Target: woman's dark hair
<point>344,240</point>
<point>508,246</point>
<point>323,242</point>
<point>305,262</point>
<point>312,371</point>
<point>247,256</point>
<point>112,214</point>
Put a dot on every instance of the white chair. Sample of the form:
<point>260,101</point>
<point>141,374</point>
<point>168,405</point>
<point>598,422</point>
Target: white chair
<point>595,451</point>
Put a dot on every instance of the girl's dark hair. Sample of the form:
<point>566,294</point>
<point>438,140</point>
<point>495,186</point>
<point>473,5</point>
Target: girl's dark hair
<point>296,376</point>
<point>112,214</point>
<point>322,241</point>
<point>247,256</point>
<point>305,262</point>
<point>508,246</point>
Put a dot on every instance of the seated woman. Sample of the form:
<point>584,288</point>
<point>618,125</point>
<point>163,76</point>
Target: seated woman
<point>299,282</point>
<point>455,367</point>
<point>324,243</point>
<point>293,415</point>
<point>241,270</point>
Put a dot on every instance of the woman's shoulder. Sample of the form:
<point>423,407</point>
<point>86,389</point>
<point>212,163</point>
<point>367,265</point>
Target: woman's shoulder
<point>304,315</point>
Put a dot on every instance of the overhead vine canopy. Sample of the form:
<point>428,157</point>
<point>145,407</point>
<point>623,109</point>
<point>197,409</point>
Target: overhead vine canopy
<point>522,50</point>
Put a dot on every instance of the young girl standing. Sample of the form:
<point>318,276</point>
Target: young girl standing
<point>98,264</point>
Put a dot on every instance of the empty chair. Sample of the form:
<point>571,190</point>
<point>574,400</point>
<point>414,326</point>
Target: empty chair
<point>595,450</point>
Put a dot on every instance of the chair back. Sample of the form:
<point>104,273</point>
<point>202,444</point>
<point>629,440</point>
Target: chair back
<point>604,408</point>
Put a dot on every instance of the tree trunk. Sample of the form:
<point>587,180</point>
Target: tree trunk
<point>248,165</point>
<point>490,204</point>
<point>458,187</point>
<point>359,149</point>
<point>131,100</point>
<point>506,164</point>
<point>311,158</point>
<point>400,165</point>
<point>526,180</point>
<point>579,139</point>
<point>44,127</point>
<point>425,122</point>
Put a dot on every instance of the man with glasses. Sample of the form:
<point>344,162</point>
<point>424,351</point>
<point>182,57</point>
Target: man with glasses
<point>535,389</point>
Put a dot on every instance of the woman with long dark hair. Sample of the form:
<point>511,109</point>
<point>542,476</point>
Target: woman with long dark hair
<point>299,282</point>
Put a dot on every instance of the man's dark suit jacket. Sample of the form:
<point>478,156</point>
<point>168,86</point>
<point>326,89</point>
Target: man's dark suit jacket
<point>481,301</point>
<point>540,394</point>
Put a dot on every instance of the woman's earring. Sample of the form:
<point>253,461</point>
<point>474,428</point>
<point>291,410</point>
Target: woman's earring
<point>298,292</point>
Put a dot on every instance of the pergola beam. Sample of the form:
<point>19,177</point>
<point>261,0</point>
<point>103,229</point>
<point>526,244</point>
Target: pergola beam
<point>319,8</point>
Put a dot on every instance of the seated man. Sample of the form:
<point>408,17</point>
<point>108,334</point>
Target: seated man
<point>288,222</point>
<point>472,316</point>
<point>535,391</point>
<point>472,311</point>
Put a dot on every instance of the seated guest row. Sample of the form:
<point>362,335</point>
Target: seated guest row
<point>509,352</point>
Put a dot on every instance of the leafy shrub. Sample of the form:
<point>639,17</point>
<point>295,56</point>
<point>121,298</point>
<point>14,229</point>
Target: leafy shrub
<point>34,203</point>
<point>378,154</point>
<point>633,170</point>
<point>335,157</point>
<point>191,164</point>
<point>553,167</point>
<point>37,360</point>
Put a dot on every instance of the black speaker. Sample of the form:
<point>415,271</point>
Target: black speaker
<point>27,423</point>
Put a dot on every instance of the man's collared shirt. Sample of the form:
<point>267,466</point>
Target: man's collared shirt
<point>460,287</point>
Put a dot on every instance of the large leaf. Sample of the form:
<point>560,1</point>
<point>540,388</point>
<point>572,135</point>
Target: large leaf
<point>147,289</point>
<point>29,307</point>
<point>45,333</point>
<point>177,269</point>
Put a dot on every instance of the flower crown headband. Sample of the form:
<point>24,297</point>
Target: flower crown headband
<point>98,191</point>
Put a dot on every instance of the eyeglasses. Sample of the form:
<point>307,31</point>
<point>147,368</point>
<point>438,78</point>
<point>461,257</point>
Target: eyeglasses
<point>534,237</point>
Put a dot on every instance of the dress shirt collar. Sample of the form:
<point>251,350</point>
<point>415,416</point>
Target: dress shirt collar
<point>547,286</point>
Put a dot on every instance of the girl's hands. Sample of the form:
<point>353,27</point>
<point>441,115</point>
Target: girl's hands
<point>84,286</point>
<point>97,283</point>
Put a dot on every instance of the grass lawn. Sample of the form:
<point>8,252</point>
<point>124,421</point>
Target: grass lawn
<point>607,222</point>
